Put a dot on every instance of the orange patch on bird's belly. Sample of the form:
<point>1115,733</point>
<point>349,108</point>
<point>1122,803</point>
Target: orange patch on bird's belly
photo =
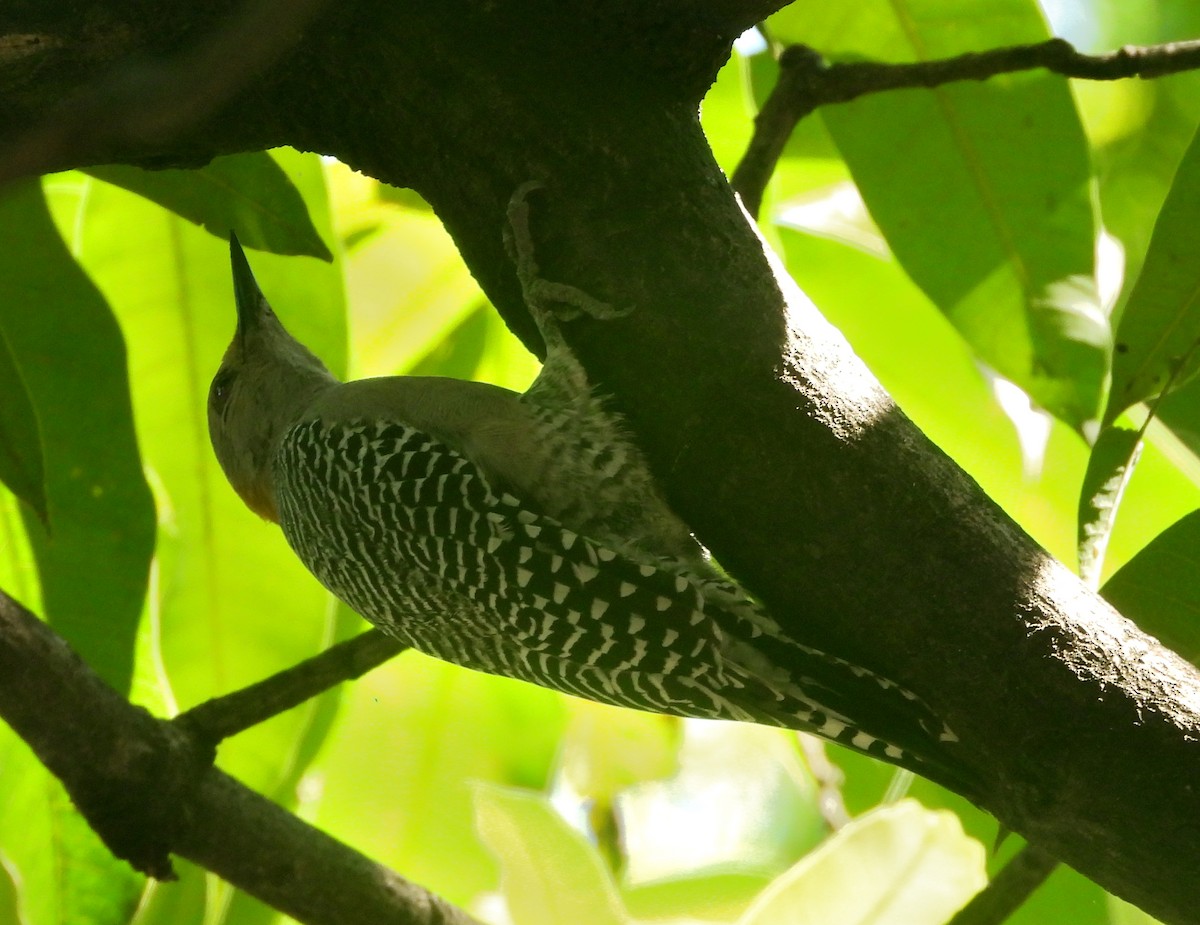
<point>261,501</point>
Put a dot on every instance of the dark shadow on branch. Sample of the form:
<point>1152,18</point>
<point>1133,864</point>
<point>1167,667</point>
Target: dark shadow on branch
<point>148,103</point>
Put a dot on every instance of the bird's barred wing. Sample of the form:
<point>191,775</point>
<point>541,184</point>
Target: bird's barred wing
<point>543,587</point>
<point>587,602</point>
<point>840,686</point>
<point>670,639</point>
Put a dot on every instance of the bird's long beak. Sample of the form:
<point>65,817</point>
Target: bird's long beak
<point>250,300</point>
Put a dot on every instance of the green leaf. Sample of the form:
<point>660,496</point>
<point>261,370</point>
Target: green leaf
<point>718,896</point>
<point>929,370</point>
<point>1110,467</point>
<point>727,111</point>
<point>983,190</point>
<point>403,196</point>
<point>180,902</point>
<point>1066,896</point>
<point>247,193</point>
<point>1123,913</point>
<point>1179,412</point>
<point>62,871</point>
<point>410,292</point>
<point>1159,589</point>
<point>94,546</point>
<point>8,896</point>
<point>18,570</point>
<point>744,798</point>
<point>1137,157</point>
<point>607,749</point>
<point>1157,339</point>
<point>231,603</point>
<point>898,865</point>
<point>413,738</point>
<point>21,467</point>
<point>459,353</point>
<point>550,874</point>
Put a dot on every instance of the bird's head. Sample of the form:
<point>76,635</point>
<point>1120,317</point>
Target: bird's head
<point>266,380</point>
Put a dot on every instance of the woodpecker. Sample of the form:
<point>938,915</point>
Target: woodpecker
<point>524,534</point>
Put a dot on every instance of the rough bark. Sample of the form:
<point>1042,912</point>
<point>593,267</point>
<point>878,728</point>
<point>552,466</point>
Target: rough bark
<point>147,788</point>
<point>770,436</point>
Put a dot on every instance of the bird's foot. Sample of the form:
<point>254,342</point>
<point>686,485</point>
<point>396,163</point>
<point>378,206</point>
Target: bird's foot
<point>546,299</point>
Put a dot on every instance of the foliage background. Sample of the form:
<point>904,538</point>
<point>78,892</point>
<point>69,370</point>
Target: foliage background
<point>478,787</point>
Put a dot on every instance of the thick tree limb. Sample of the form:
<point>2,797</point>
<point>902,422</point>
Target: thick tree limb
<point>147,790</point>
<point>807,81</point>
<point>770,436</point>
<point>145,103</point>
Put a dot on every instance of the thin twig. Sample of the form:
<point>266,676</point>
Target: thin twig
<point>222,717</point>
<point>1009,889</point>
<point>807,81</point>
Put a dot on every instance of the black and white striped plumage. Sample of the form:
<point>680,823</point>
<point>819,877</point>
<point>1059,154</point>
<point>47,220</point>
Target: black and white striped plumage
<point>522,536</point>
<point>411,535</point>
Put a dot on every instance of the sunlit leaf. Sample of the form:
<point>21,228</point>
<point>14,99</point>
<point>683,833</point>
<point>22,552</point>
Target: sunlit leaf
<point>1066,896</point>
<point>1180,411</point>
<point>232,603</point>
<point>412,737</point>
<point>720,896</point>
<point>8,898</point>
<point>18,571</point>
<point>1158,339</point>
<point>549,873</point>
<point>402,196</point>
<point>417,309</point>
<point>20,443</point>
<point>743,798</point>
<point>898,865</point>
<point>247,193</point>
<point>1123,913</point>
<point>1159,589</point>
<point>62,871</point>
<point>607,749</point>
<point>896,330</point>
<point>1109,469</point>
<point>93,547</point>
<point>982,190</point>
<point>180,902</point>
<point>410,291</point>
<point>461,350</point>
<point>726,111</point>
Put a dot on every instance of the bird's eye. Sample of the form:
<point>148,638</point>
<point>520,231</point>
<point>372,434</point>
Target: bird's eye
<point>220,390</point>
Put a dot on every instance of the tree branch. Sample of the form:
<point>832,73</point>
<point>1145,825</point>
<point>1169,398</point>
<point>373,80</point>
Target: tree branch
<point>217,719</point>
<point>808,81</point>
<point>148,790</point>
<point>151,103</point>
<point>1008,890</point>
<point>771,438</point>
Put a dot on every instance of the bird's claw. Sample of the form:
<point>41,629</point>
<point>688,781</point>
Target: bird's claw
<point>561,301</point>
